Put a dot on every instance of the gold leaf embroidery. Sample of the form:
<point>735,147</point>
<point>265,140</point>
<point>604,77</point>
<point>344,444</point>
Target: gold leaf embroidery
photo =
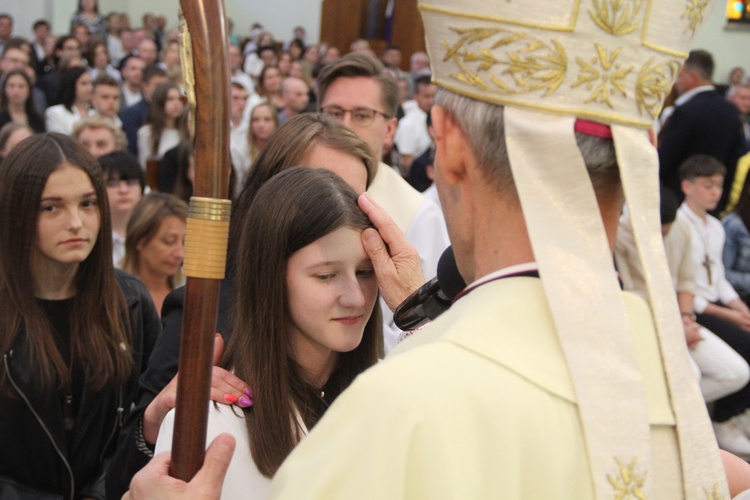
<point>617,17</point>
<point>628,483</point>
<point>605,70</point>
<point>653,84</point>
<point>528,63</point>
<point>694,13</point>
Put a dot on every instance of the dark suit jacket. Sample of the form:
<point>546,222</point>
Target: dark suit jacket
<point>132,118</point>
<point>706,124</point>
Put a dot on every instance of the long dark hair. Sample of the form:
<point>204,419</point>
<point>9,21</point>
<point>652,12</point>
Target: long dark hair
<point>67,95</point>
<point>292,210</point>
<point>100,336</point>
<point>28,106</point>
<point>156,116</point>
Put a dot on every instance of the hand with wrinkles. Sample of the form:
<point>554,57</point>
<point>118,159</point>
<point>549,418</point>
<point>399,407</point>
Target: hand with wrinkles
<point>395,261</point>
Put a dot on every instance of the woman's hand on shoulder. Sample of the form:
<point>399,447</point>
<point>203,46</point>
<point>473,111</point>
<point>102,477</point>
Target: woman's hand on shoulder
<point>226,388</point>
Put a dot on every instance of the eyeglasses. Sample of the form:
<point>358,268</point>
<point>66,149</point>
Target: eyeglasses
<point>362,117</point>
<point>116,182</point>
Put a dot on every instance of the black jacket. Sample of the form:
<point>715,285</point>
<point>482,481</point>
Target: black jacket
<point>32,437</point>
<point>162,367</point>
<point>706,124</point>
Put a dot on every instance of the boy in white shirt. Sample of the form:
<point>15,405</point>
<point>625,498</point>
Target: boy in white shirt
<point>717,305</point>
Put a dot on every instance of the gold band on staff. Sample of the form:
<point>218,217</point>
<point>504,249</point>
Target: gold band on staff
<point>207,238</point>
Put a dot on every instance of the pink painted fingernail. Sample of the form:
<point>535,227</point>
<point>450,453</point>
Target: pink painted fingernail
<point>231,399</point>
<point>248,392</point>
<point>245,402</point>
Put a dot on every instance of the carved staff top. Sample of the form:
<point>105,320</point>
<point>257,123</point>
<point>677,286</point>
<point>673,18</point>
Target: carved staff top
<point>206,77</point>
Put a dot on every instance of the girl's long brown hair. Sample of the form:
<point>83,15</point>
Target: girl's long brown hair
<point>291,211</point>
<point>100,333</point>
<point>156,116</point>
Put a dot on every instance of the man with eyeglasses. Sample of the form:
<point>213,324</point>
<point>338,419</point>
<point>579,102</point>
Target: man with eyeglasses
<point>356,91</point>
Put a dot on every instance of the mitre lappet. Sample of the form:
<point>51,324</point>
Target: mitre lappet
<point>601,67</point>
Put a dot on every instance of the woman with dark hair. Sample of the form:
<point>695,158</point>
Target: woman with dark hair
<point>185,177</point>
<point>305,320</point>
<point>88,15</point>
<point>161,131</point>
<point>296,49</point>
<point>312,140</point>
<point>155,242</point>
<point>125,186</point>
<point>737,245</point>
<point>74,333</point>
<point>16,104</point>
<point>97,57</point>
<point>269,89</point>
<point>75,98</point>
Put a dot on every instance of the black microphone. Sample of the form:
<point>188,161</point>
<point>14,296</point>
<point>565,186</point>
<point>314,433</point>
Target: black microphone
<point>434,297</point>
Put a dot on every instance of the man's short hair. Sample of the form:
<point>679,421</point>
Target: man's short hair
<point>40,22</point>
<point>106,80</point>
<point>5,15</point>
<point>266,48</point>
<point>17,42</point>
<point>355,65</point>
<point>121,141</point>
<point>483,126</point>
<point>701,62</point>
<point>151,71</point>
<point>421,81</point>
<point>124,61</point>
<point>701,166</point>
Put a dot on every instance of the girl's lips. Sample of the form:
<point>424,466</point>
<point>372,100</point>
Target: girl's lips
<point>348,320</point>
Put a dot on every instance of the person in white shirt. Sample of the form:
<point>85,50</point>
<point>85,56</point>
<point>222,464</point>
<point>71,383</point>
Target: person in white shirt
<point>76,91</point>
<point>719,368</point>
<point>412,138</point>
<point>717,305</point>
<point>235,69</point>
<point>125,186</point>
<point>131,69</point>
<point>161,131</point>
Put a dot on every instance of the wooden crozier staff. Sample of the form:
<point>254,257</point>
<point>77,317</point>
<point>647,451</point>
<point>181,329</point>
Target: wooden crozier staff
<point>207,225</point>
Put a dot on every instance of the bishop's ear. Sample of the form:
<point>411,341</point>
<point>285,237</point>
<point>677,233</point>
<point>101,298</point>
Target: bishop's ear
<point>451,148</point>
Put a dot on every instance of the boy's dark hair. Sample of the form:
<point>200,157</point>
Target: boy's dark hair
<point>107,80</point>
<point>421,82</point>
<point>668,205</point>
<point>41,22</point>
<point>701,166</point>
<point>151,71</point>
<point>123,166</point>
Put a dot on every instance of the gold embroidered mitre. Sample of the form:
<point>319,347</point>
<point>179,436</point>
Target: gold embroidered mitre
<point>551,64</point>
<point>612,61</point>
